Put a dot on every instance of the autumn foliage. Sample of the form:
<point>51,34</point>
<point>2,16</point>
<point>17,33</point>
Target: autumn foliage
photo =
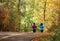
<point>4,16</point>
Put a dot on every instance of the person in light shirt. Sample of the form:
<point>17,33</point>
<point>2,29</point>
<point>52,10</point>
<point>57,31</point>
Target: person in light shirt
<point>41,27</point>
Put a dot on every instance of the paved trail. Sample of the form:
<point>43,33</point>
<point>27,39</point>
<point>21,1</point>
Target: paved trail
<point>26,36</point>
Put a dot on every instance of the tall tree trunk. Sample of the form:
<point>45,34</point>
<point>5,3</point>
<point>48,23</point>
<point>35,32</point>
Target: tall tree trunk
<point>19,14</point>
<point>45,2</point>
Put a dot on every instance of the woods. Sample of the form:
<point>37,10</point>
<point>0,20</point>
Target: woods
<point>19,15</point>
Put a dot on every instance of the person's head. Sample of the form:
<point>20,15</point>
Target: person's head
<point>41,24</point>
<point>33,23</point>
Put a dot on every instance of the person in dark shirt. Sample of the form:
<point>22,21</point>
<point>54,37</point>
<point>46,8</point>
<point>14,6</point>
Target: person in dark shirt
<point>34,27</point>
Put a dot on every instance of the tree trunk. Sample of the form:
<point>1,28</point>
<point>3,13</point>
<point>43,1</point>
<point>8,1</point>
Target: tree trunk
<point>19,14</point>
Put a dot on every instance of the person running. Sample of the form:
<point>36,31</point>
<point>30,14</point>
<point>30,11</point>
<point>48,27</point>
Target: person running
<point>41,27</point>
<point>34,27</point>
